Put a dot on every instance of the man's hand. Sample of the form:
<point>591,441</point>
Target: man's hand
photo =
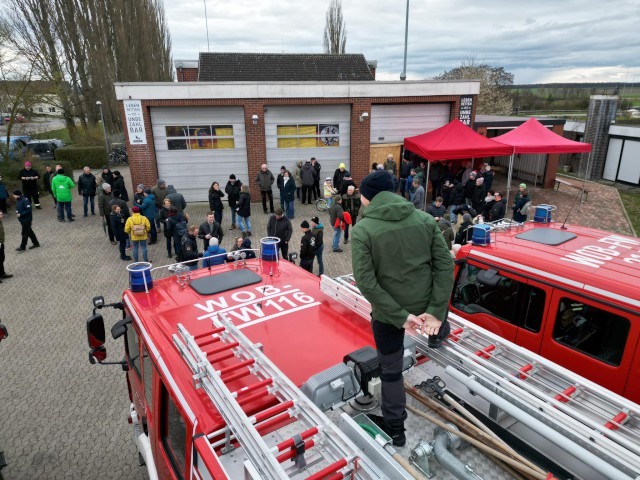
<point>207,236</point>
<point>413,324</point>
<point>430,325</point>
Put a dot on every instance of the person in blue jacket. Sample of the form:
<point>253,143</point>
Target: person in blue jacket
<point>214,254</point>
<point>148,207</point>
<point>4,194</point>
<point>25,216</point>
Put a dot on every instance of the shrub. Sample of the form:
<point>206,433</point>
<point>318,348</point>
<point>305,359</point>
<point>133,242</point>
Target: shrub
<point>80,157</point>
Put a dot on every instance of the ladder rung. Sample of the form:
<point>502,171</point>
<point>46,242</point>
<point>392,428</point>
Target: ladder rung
<point>304,435</point>
<point>262,383</point>
<point>455,333</point>
<point>292,453</point>
<point>616,421</point>
<point>485,352</point>
<point>336,476</point>
<point>265,427</point>
<point>222,348</point>
<point>235,376</point>
<point>213,331</point>
<point>566,394</point>
<point>524,371</point>
<point>209,341</point>
<point>331,469</point>
<point>270,412</point>
<point>224,356</point>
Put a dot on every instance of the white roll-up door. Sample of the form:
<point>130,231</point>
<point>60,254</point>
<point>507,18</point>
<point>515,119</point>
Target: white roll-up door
<point>196,146</point>
<point>629,170</point>
<point>297,133</point>
<point>613,159</point>
<point>392,123</point>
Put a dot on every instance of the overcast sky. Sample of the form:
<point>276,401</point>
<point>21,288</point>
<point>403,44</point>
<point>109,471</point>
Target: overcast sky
<point>539,42</point>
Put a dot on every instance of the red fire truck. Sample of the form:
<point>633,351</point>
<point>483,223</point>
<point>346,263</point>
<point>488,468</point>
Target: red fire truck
<point>566,292</point>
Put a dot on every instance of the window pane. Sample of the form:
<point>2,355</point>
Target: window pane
<point>591,330</point>
<point>222,130</point>
<point>329,142</point>
<point>202,131</point>
<point>287,130</point>
<point>148,376</point>
<point>307,142</point>
<point>177,144</point>
<point>133,348</point>
<point>533,307</point>
<point>200,144</point>
<point>174,435</point>
<point>176,131</point>
<point>485,291</point>
<point>307,129</point>
<point>287,143</point>
<point>220,143</point>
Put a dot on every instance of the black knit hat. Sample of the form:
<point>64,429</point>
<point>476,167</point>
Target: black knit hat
<point>232,177</point>
<point>17,192</point>
<point>376,182</point>
<point>304,224</point>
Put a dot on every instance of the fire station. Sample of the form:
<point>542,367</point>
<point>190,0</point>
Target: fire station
<point>232,112</point>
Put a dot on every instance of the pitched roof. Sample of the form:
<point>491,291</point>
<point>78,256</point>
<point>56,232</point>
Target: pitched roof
<point>278,67</point>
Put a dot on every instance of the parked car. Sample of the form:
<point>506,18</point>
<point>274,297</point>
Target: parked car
<point>19,118</point>
<point>17,146</point>
<point>43,149</point>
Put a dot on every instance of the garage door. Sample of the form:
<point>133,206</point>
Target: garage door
<point>298,133</point>
<point>613,159</point>
<point>392,123</point>
<point>199,145</point>
<point>629,169</point>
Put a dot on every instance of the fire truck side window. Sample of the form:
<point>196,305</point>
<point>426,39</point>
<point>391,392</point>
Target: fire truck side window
<point>485,291</point>
<point>592,331</point>
<point>174,434</point>
<point>133,349</point>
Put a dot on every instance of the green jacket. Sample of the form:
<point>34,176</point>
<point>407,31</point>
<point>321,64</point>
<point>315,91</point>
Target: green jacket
<point>61,186</point>
<point>400,261</point>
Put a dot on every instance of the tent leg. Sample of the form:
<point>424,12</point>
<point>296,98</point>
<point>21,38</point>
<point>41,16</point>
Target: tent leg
<point>509,174</point>
<point>426,187</point>
<point>584,180</point>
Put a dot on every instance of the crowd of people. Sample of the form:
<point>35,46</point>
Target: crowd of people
<point>459,200</point>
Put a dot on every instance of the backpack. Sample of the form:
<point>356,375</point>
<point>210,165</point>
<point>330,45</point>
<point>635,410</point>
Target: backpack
<point>138,229</point>
<point>525,208</point>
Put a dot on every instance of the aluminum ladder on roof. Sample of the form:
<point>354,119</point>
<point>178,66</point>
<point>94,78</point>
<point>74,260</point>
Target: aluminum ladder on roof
<point>604,423</point>
<point>204,353</point>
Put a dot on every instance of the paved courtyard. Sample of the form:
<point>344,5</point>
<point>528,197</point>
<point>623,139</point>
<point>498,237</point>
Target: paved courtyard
<point>63,418</point>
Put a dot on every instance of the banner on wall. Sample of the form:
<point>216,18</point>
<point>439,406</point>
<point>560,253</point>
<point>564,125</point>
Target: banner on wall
<point>135,122</point>
<point>466,109</point>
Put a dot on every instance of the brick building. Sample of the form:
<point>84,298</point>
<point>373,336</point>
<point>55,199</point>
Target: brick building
<point>230,113</point>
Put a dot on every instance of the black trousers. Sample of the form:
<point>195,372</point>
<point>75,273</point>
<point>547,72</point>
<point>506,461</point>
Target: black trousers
<point>307,264</point>
<point>27,233</point>
<point>2,272</point>
<point>33,197</point>
<point>346,227</point>
<point>268,193</point>
<point>307,192</point>
<point>284,250</point>
<point>112,237</point>
<point>316,189</point>
<point>3,205</point>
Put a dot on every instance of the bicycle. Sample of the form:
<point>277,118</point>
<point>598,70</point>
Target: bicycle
<point>322,205</point>
<point>118,156</point>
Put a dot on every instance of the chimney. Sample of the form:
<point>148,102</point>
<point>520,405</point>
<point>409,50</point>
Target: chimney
<point>373,65</point>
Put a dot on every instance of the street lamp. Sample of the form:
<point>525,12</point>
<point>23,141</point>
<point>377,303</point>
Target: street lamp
<point>104,127</point>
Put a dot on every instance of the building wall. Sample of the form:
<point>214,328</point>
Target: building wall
<point>142,158</point>
<point>187,74</point>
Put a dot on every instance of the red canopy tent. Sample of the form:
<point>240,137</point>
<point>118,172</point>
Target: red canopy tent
<point>533,137</point>
<point>454,140</point>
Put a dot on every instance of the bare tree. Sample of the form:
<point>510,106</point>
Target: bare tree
<point>335,29</point>
<point>494,98</point>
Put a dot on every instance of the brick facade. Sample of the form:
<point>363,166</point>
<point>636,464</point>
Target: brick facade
<point>142,159</point>
<point>187,74</point>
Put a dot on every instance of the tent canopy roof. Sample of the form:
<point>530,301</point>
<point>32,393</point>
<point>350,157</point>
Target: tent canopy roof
<point>454,140</point>
<point>533,137</point>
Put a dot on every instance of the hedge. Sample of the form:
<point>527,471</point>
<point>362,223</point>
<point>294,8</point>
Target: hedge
<point>80,157</point>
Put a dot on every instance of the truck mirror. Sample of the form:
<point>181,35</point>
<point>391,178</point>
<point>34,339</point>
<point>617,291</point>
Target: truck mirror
<point>98,354</point>
<point>95,331</point>
<point>4,333</point>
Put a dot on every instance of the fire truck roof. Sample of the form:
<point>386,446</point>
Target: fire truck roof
<point>599,263</point>
<point>302,330</point>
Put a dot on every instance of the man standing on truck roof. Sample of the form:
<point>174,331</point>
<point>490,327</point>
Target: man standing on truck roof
<point>402,266</point>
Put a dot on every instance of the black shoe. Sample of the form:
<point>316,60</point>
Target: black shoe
<point>71,219</point>
<point>36,245</point>
<point>6,275</point>
<point>125,258</point>
<point>113,242</point>
<point>93,213</point>
<point>73,215</point>
<point>169,255</point>
<point>38,207</point>
<point>394,429</point>
<point>266,213</point>
<point>272,211</point>
<point>61,220</point>
<point>339,250</point>
<point>153,242</point>
<point>435,341</point>
<point>20,249</point>
<point>346,240</point>
<point>85,215</point>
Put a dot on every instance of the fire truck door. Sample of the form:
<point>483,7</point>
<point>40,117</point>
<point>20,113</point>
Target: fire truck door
<point>593,339</point>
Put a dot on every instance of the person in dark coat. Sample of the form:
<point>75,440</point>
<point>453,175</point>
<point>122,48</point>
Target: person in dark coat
<point>317,228</point>
<point>488,176</point>
<point>405,172</point>
<point>215,202</point>
<point>265,180</point>
<point>447,190</point>
<point>105,211</point>
<point>175,227</point>
<point>289,194</point>
<point>148,207</point>
<point>3,273</point>
<point>189,248</point>
<point>437,209</point>
<point>307,247</point>
<point>118,221</point>
<point>280,185</point>
<point>138,196</point>
<point>347,182</point>
<point>246,245</point>
<point>46,180</point>
<point>336,213</point>
<point>338,176</point>
<point>243,209</point>
<point>498,209</point>
<point>279,226</point>
<point>351,203</point>
<point>479,195</point>
<point>308,178</point>
<point>232,189</point>
<point>464,231</point>
<point>469,188</point>
<point>435,175</point>
<point>210,229</point>
<point>87,188</point>
<point>177,200</point>
<point>316,178</point>
<point>29,179</point>
<point>456,201</point>
<point>25,216</point>
<point>107,176</point>
<point>119,186</point>
<point>522,198</point>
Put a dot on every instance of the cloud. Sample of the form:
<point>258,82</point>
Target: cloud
<point>564,41</point>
